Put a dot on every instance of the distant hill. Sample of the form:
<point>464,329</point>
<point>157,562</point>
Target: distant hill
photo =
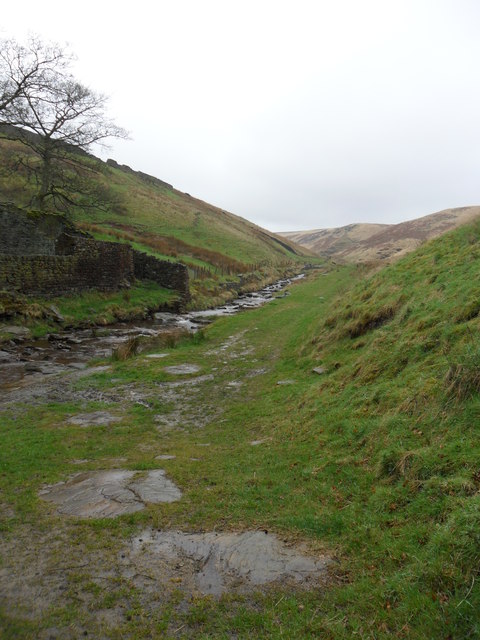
<point>332,241</point>
<point>371,242</point>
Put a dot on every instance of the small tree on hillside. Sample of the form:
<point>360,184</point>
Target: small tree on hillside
<point>57,118</point>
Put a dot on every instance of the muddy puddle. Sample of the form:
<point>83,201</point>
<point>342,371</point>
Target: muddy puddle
<point>23,360</point>
<point>213,563</point>
<point>209,563</point>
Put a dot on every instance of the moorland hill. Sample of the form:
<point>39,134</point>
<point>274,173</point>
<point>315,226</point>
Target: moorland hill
<point>365,242</point>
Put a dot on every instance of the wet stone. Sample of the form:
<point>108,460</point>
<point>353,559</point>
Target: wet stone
<point>230,561</point>
<point>319,370</point>
<point>56,313</point>
<point>182,369</point>
<point>42,367</point>
<point>79,366</point>
<point>13,330</point>
<point>166,318</point>
<point>94,419</point>
<point>107,494</point>
<point>52,337</point>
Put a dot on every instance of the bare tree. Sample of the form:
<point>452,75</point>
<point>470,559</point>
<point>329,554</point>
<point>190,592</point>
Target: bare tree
<point>55,116</point>
<point>27,67</point>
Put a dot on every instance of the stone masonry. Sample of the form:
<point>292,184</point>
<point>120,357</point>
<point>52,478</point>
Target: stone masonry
<point>44,254</point>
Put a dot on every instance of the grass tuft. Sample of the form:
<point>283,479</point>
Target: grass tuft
<point>463,377</point>
<point>127,349</point>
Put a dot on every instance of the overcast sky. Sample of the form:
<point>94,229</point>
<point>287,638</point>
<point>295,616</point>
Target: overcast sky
<point>295,115</point>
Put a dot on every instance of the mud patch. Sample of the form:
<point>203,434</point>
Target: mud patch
<point>228,345</point>
<point>191,382</point>
<point>214,563</point>
<point>188,410</point>
<point>107,494</point>
<point>94,419</point>
<point>257,372</point>
<point>234,384</point>
<point>182,369</point>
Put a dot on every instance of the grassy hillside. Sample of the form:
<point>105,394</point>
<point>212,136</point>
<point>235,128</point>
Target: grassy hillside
<point>397,417</point>
<point>375,461</point>
<point>127,206</point>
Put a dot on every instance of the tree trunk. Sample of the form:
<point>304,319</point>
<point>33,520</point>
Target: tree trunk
<point>39,201</point>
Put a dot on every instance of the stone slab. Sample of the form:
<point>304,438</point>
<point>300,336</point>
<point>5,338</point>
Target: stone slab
<point>107,494</point>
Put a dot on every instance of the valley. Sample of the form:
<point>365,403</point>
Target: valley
<point>211,430</point>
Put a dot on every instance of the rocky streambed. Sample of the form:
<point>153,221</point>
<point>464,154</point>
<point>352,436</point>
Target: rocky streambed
<point>24,360</point>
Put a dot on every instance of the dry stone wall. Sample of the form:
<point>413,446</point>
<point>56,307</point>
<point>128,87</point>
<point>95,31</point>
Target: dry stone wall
<point>47,255</point>
<point>31,233</point>
<point>170,275</point>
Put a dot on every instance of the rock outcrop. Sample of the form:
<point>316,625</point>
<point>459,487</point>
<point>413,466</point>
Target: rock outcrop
<point>140,174</point>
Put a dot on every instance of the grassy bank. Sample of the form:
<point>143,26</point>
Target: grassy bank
<point>87,309</point>
<point>373,461</point>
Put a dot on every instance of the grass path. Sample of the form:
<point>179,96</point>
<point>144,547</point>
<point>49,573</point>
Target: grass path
<point>207,421</point>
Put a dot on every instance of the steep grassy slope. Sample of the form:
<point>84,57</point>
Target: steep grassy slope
<point>374,242</point>
<point>397,414</point>
<point>123,205</point>
<point>375,461</point>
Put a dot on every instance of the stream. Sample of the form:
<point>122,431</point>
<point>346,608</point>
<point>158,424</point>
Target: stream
<point>23,359</point>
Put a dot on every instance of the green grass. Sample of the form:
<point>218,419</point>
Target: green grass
<point>375,461</point>
<point>91,308</point>
<point>143,297</point>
